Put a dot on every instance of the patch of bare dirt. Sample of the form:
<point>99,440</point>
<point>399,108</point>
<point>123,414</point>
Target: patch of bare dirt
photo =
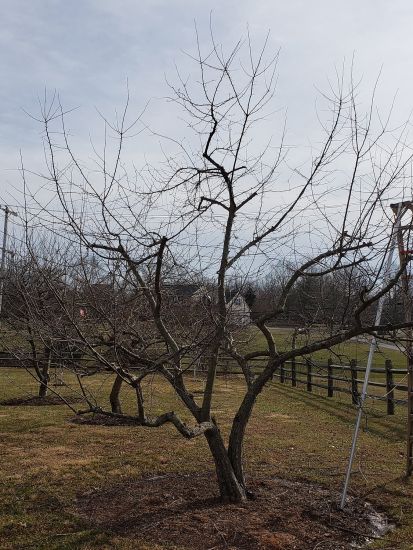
<point>35,401</point>
<point>103,420</point>
<point>183,511</point>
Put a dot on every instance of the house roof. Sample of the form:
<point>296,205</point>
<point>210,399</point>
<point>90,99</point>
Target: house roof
<point>183,290</point>
<point>231,293</point>
<point>189,290</point>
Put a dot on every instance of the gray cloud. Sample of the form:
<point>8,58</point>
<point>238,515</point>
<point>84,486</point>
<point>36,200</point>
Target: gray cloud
<point>87,49</point>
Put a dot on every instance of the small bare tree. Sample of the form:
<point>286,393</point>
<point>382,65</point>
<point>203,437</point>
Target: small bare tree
<point>32,313</point>
<point>224,207</point>
<point>49,289</point>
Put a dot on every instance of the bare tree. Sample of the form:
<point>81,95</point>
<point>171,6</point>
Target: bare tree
<point>31,310</point>
<point>225,206</point>
<point>48,290</point>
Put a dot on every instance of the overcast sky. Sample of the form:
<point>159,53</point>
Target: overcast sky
<point>87,49</point>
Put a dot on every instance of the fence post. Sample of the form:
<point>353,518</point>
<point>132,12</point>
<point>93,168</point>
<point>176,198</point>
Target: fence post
<point>354,388</point>
<point>293,373</point>
<point>309,376</point>
<point>389,386</point>
<point>282,373</point>
<point>330,380</point>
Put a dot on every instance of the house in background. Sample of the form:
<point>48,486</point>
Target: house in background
<point>196,294</point>
<point>186,293</point>
<point>239,310</point>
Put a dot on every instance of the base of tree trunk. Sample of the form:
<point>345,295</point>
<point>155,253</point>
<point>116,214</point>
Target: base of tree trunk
<point>43,390</point>
<point>230,489</point>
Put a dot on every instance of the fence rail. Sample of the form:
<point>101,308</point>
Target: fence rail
<point>331,377</point>
<point>303,374</point>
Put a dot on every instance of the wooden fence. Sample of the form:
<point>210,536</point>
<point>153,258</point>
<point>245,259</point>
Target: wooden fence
<point>333,378</point>
<point>305,374</point>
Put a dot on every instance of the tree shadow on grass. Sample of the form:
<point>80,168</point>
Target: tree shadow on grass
<point>390,428</point>
<point>35,401</point>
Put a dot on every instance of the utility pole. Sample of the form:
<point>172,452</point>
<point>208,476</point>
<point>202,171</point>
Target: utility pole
<point>7,212</point>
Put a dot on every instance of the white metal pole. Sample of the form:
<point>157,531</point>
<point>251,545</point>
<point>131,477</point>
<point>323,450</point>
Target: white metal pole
<point>3,257</point>
<point>373,345</point>
<point>7,212</point>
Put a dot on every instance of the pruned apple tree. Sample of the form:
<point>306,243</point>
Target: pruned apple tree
<point>223,206</point>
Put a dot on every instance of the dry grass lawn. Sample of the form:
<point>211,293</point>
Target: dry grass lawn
<point>47,462</point>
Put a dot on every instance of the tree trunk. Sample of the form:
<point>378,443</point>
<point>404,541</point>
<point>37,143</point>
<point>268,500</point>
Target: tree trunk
<point>45,373</point>
<point>236,438</point>
<point>229,487</point>
<point>44,383</point>
<point>114,395</point>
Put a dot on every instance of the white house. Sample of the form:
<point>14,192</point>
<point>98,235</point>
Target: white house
<point>239,310</point>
